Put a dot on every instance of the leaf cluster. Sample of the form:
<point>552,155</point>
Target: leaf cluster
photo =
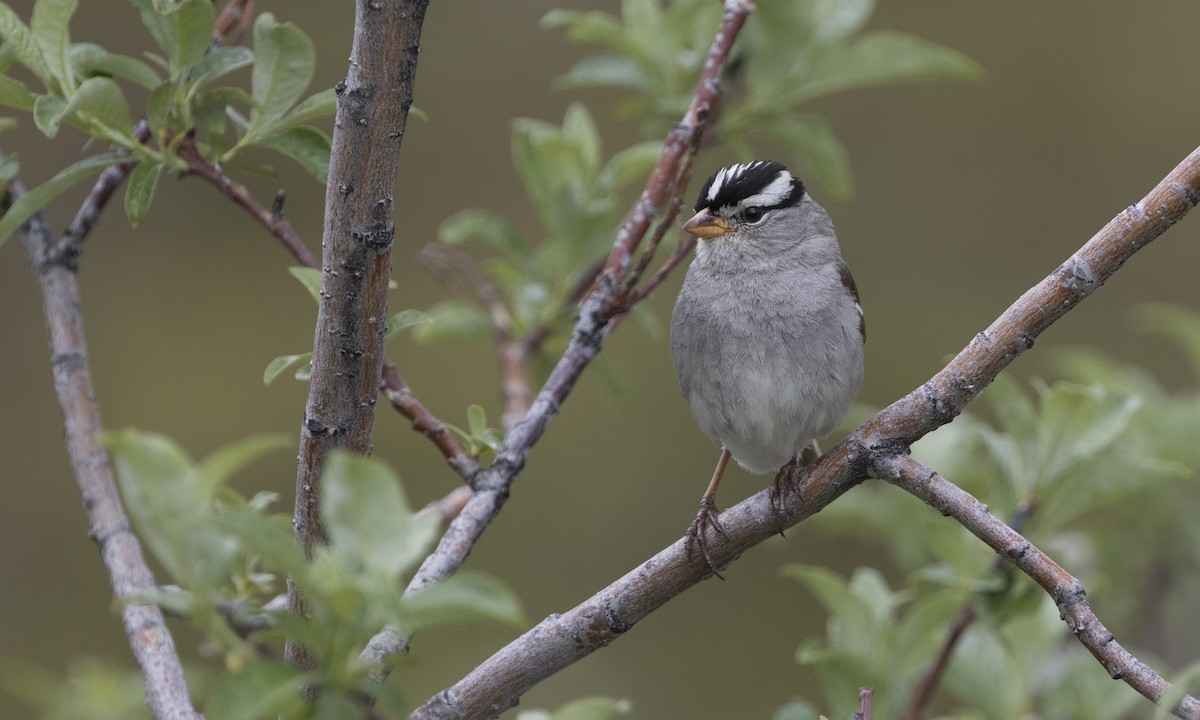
<point>231,557</point>
<point>1066,462</point>
<point>790,53</point>
<point>85,86</point>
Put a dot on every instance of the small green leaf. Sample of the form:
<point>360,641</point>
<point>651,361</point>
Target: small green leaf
<point>464,597</point>
<point>632,163</point>
<point>882,57</point>
<point>476,420</point>
<point>839,19</point>
<point>280,364</point>
<point>218,63</point>
<point>310,278</point>
<point>368,519</point>
<point>283,65</point>
<point>405,319</point>
<point>49,27</point>
<point>306,145</point>
<point>19,38</point>
<point>183,31</point>
<point>487,226</point>
<point>159,104</point>
<point>47,113</point>
<point>140,191</point>
<point>257,689</point>
<point>14,94</point>
<point>826,157</point>
<point>32,201</point>
<point>580,129</point>
<point>454,320</point>
<point>317,105</point>
<point>100,104</point>
<point>91,60</point>
<point>217,468</point>
<point>606,71</point>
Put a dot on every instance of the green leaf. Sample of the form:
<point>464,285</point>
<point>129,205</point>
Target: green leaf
<point>100,104</point>
<point>476,420</point>
<point>47,113</point>
<point>170,504</point>
<point>283,65</point>
<point>839,19</point>
<point>579,129</point>
<point>306,145</point>
<point>32,201</point>
<point>454,320</point>
<point>219,63</point>
<point>159,104</point>
<point>606,71</point>
<point>405,319</point>
<point>142,182</point>
<point>217,468</point>
<point>21,41</point>
<point>826,157</point>
<point>183,31</point>
<point>882,57</point>
<point>92,60</point>
<point>257,689</point>
<point>318,105</point>
<point>310,278</point>
<point>49,27</point>
<point>280,364</point>
<point>632,163</point>
<point>368,519</point>
<point>14,94</point>
<point>488,227</point>
<point>465,597</point>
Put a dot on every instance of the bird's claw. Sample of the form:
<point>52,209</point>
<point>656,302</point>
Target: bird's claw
<point>708,516</point>
<point>784,484</point>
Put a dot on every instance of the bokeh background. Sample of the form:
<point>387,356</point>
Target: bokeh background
<point>966,194</point>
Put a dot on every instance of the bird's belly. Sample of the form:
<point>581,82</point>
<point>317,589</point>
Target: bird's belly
<point>764,413</point>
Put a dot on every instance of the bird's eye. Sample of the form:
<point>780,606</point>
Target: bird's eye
<point>752,215</point>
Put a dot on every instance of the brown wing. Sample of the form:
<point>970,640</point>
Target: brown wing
<point>848,283</point>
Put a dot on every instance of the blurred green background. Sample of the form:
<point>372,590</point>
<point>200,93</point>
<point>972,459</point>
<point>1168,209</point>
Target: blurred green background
<point>966,194</point>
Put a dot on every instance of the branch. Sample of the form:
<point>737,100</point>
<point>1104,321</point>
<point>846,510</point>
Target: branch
<point>153,648</point>
<point>372,110</point>
<point>560,640</point>
<point>1068,593</point>
<point>272,219</point>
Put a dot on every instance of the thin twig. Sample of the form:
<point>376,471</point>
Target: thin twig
<point>871,450</point>
<point>70,244</point>
<point>269,218</point>
<point>402,399</point>
<point>233,20</point>
<point>864,704</point>
<point>910,474</point>
<point>153,648</point>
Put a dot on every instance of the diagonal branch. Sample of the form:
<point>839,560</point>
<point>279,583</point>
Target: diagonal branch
<point>166,688</point>
<point>872,449</point>
<point>1068,593</point>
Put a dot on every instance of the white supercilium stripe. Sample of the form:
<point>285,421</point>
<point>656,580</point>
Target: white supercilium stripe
<point>772,194</point>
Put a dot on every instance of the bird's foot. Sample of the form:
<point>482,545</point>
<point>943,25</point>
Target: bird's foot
<point>785,483</point>
<point>708,516</point>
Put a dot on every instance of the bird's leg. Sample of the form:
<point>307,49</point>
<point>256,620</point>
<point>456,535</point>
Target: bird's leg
<point>709,515</point>
<point>785,479</point>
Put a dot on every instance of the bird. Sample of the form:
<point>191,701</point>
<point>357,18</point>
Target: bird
<point>767,333</point>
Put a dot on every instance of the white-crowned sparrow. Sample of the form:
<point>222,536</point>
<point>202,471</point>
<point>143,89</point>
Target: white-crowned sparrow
<point>767,332</point>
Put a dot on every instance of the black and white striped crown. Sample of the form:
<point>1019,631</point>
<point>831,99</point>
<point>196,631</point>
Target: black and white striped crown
<point>762,183</point>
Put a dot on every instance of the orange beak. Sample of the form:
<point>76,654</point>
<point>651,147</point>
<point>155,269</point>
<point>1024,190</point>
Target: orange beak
<point>706,225</point>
